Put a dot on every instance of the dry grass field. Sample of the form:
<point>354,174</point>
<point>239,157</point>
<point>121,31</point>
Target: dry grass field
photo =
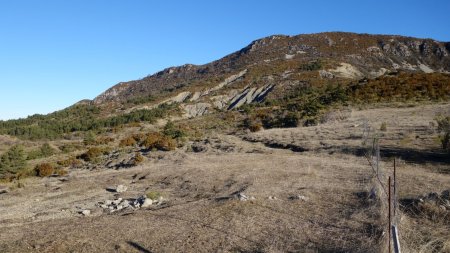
<point>302,189</point>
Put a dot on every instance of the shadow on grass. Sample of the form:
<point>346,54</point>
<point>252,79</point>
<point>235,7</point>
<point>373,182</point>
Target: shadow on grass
<point>406,154</point>
<point>138,247</point>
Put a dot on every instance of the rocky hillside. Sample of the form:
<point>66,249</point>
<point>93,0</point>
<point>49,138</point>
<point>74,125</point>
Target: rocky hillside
<point>293,80</point>
<point>285,61</point>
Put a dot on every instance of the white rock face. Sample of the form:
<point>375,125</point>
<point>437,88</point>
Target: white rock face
<point>226,82</point>
<point>425,68</point>
<point>196,110</point>
<point>181,97</point>
<point>195,96</point>
<point>250,95</point>
<point>346,70</point>
<point>378,73</point>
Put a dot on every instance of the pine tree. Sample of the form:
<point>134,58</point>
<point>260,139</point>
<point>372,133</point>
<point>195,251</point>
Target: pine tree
<point>12,161</point>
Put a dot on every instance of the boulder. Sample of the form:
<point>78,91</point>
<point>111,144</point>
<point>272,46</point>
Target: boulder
<point>147,202</point>
<point>121,188</point>
<point>86,212</point>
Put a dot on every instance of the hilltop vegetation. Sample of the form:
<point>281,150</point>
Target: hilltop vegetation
<point>78,118</point>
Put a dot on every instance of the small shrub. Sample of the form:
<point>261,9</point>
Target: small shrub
<point>67,148</point>
<point>383,127</point>
<point>89,139</point>
<point>139,137</point>
<point>137,159</point>
<point>153,195</point>
<point>47,150</point>
<point>253,125</point>
<point>104,140</point>
<point>70,162</point>
<point>127,142</point>
<point>151,139</point>
<point>134,124</point>
<point>166,144</point>
<point>44,170</point>
<point>92,154</point>
<point>174,132</point>
<point>61,172</point>
<point>12,161</point>
<point>444,132</point>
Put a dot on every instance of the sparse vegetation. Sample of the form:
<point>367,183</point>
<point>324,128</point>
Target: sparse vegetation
<point>44,170</point>
<point>84,118</point>
<point>93,153</point>
<point>383,127</point>
<point>444,130</point>
<point>137,159</point>
<point>70,162</point>
<point>153,195</point>
<point>127,142</point>
<point>157,141</point>
<point>12,161</point>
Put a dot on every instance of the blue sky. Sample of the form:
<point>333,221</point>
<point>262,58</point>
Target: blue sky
<point>55,53</point>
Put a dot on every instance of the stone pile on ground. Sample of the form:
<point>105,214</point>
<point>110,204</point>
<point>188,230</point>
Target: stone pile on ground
<point>132,204</point>
<point>442,200</point>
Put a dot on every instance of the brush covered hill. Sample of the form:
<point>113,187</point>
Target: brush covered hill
<point>281,58</point>
<point>295,78</point>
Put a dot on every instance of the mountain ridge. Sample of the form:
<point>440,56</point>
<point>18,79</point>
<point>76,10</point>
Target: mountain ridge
<point>394,52</point>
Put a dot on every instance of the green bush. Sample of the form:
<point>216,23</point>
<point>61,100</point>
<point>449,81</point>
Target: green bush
<point>153,195</point>
<point>12,161</point>
<point>89,139</point>
<point>83,118</point>
<point>173,131</point>
<point>47,150</point>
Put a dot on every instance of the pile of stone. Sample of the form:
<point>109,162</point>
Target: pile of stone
<point>442,200</point>
<point>243,197</point>
<point>131,204</point>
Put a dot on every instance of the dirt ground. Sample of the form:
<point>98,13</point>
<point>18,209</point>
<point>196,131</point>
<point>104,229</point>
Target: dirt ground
<point>309,184</point>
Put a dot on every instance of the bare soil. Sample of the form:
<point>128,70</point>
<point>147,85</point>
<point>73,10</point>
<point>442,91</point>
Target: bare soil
<point>201,213</point>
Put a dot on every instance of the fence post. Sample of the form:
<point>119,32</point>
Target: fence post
<point>395,239</point>
<point>389,213</point>
<point>395,189</point>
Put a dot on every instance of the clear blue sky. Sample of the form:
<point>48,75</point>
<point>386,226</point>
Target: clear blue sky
<point>55,53</point>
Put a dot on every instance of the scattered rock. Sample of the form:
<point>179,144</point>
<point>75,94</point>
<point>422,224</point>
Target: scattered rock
<point>243,197</point>
<point>273,198</point>
<point>299,197</point>
<point>4,190</point>
<point>117,201</point>
<point>198,147</point>
<point>121,188</point>
<point>86,212</point>
<point>147,202</point>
